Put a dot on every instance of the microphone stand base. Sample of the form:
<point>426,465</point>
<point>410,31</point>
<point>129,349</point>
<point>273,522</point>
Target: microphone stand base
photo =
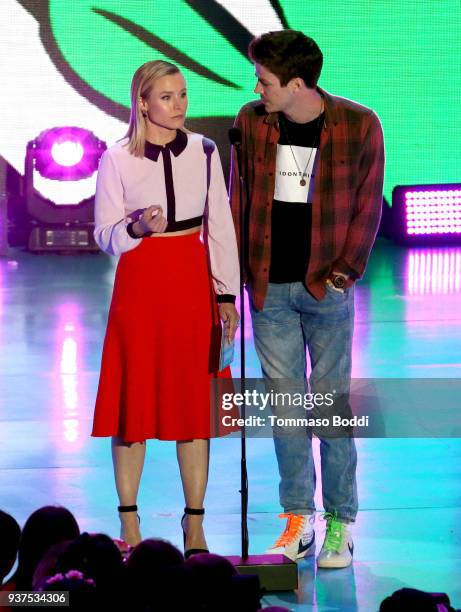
<point>275,572</point>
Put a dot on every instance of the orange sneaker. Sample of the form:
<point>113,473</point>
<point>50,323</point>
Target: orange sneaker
<point>298,539</point>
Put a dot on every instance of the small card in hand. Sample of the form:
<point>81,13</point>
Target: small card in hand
<point>226,355</point>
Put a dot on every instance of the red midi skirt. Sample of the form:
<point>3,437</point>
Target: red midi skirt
<point>161,348</point>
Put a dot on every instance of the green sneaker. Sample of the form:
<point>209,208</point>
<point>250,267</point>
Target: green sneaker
<point>337,549</point>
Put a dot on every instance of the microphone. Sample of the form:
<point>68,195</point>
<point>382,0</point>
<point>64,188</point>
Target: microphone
<point>235,137</point>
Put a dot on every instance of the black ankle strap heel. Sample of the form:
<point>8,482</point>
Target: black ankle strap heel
<point>133,508</point>
<point>194,510</point>
<point>128,508</point>
<point>191,551</point>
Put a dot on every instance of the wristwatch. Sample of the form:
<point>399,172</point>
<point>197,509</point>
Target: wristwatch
<point>338,280</point>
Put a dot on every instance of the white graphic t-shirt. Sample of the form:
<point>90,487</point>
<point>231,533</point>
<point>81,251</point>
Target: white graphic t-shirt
<point>293,164</point>
<point>296,161</point>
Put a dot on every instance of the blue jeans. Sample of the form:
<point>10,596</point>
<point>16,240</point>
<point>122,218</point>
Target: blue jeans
<point>290,321</point>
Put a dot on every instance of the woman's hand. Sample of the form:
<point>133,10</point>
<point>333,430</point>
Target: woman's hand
<point>151,220</point>
<point>230,317</point>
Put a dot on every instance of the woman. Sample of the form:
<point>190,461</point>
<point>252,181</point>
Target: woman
<point>155,191</point>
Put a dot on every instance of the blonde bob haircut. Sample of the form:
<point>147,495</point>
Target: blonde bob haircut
<point>141,86</point>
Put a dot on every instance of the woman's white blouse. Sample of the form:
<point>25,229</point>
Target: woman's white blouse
<point>175,178</point>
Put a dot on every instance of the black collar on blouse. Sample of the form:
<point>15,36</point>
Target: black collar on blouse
<point>176,146</point>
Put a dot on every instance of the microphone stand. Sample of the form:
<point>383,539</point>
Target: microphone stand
<point>275,572</point>
<point>243,463</point>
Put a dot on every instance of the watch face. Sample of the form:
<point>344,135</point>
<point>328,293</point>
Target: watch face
<point>339,282</point>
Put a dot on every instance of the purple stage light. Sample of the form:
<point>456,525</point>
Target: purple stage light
<point>427,213</point>
<point>433,212</point>
<point>66,153</point>
<point>59,188</point>
<point>434,271</point>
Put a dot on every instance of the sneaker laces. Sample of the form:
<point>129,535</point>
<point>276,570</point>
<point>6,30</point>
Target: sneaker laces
<point>334,534</point>
<point>293,529</point>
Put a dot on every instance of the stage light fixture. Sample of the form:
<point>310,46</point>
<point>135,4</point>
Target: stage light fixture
<point>427,214</point>
<point>433,271</point>
<point>59,186</point>
<point>67,153</point>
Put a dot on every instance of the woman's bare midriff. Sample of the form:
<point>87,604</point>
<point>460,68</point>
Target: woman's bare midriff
<point>191,230</point>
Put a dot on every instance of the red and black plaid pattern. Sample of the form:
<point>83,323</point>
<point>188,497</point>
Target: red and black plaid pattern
<point>347,200</point>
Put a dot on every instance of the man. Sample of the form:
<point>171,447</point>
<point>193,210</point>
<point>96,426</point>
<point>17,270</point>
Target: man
<point>313,165</point>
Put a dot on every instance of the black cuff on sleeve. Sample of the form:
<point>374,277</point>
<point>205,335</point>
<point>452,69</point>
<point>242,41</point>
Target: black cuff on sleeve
<point>129,229</point>
<point>225,298</point>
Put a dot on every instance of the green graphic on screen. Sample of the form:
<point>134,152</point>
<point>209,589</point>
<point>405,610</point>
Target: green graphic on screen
<point>400,58</point>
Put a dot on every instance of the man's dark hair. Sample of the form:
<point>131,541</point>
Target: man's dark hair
<point>288,54</point>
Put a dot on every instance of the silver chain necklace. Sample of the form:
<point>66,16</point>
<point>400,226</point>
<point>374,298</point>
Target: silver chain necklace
<point>302,182</point>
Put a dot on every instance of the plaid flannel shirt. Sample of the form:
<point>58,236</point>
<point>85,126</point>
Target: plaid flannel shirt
<point>347,199</point>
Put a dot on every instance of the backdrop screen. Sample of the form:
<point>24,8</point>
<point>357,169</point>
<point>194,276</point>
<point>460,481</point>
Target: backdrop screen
<point>70,62</point>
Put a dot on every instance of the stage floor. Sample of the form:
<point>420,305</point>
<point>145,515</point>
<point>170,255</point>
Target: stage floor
<point>53,310</point>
